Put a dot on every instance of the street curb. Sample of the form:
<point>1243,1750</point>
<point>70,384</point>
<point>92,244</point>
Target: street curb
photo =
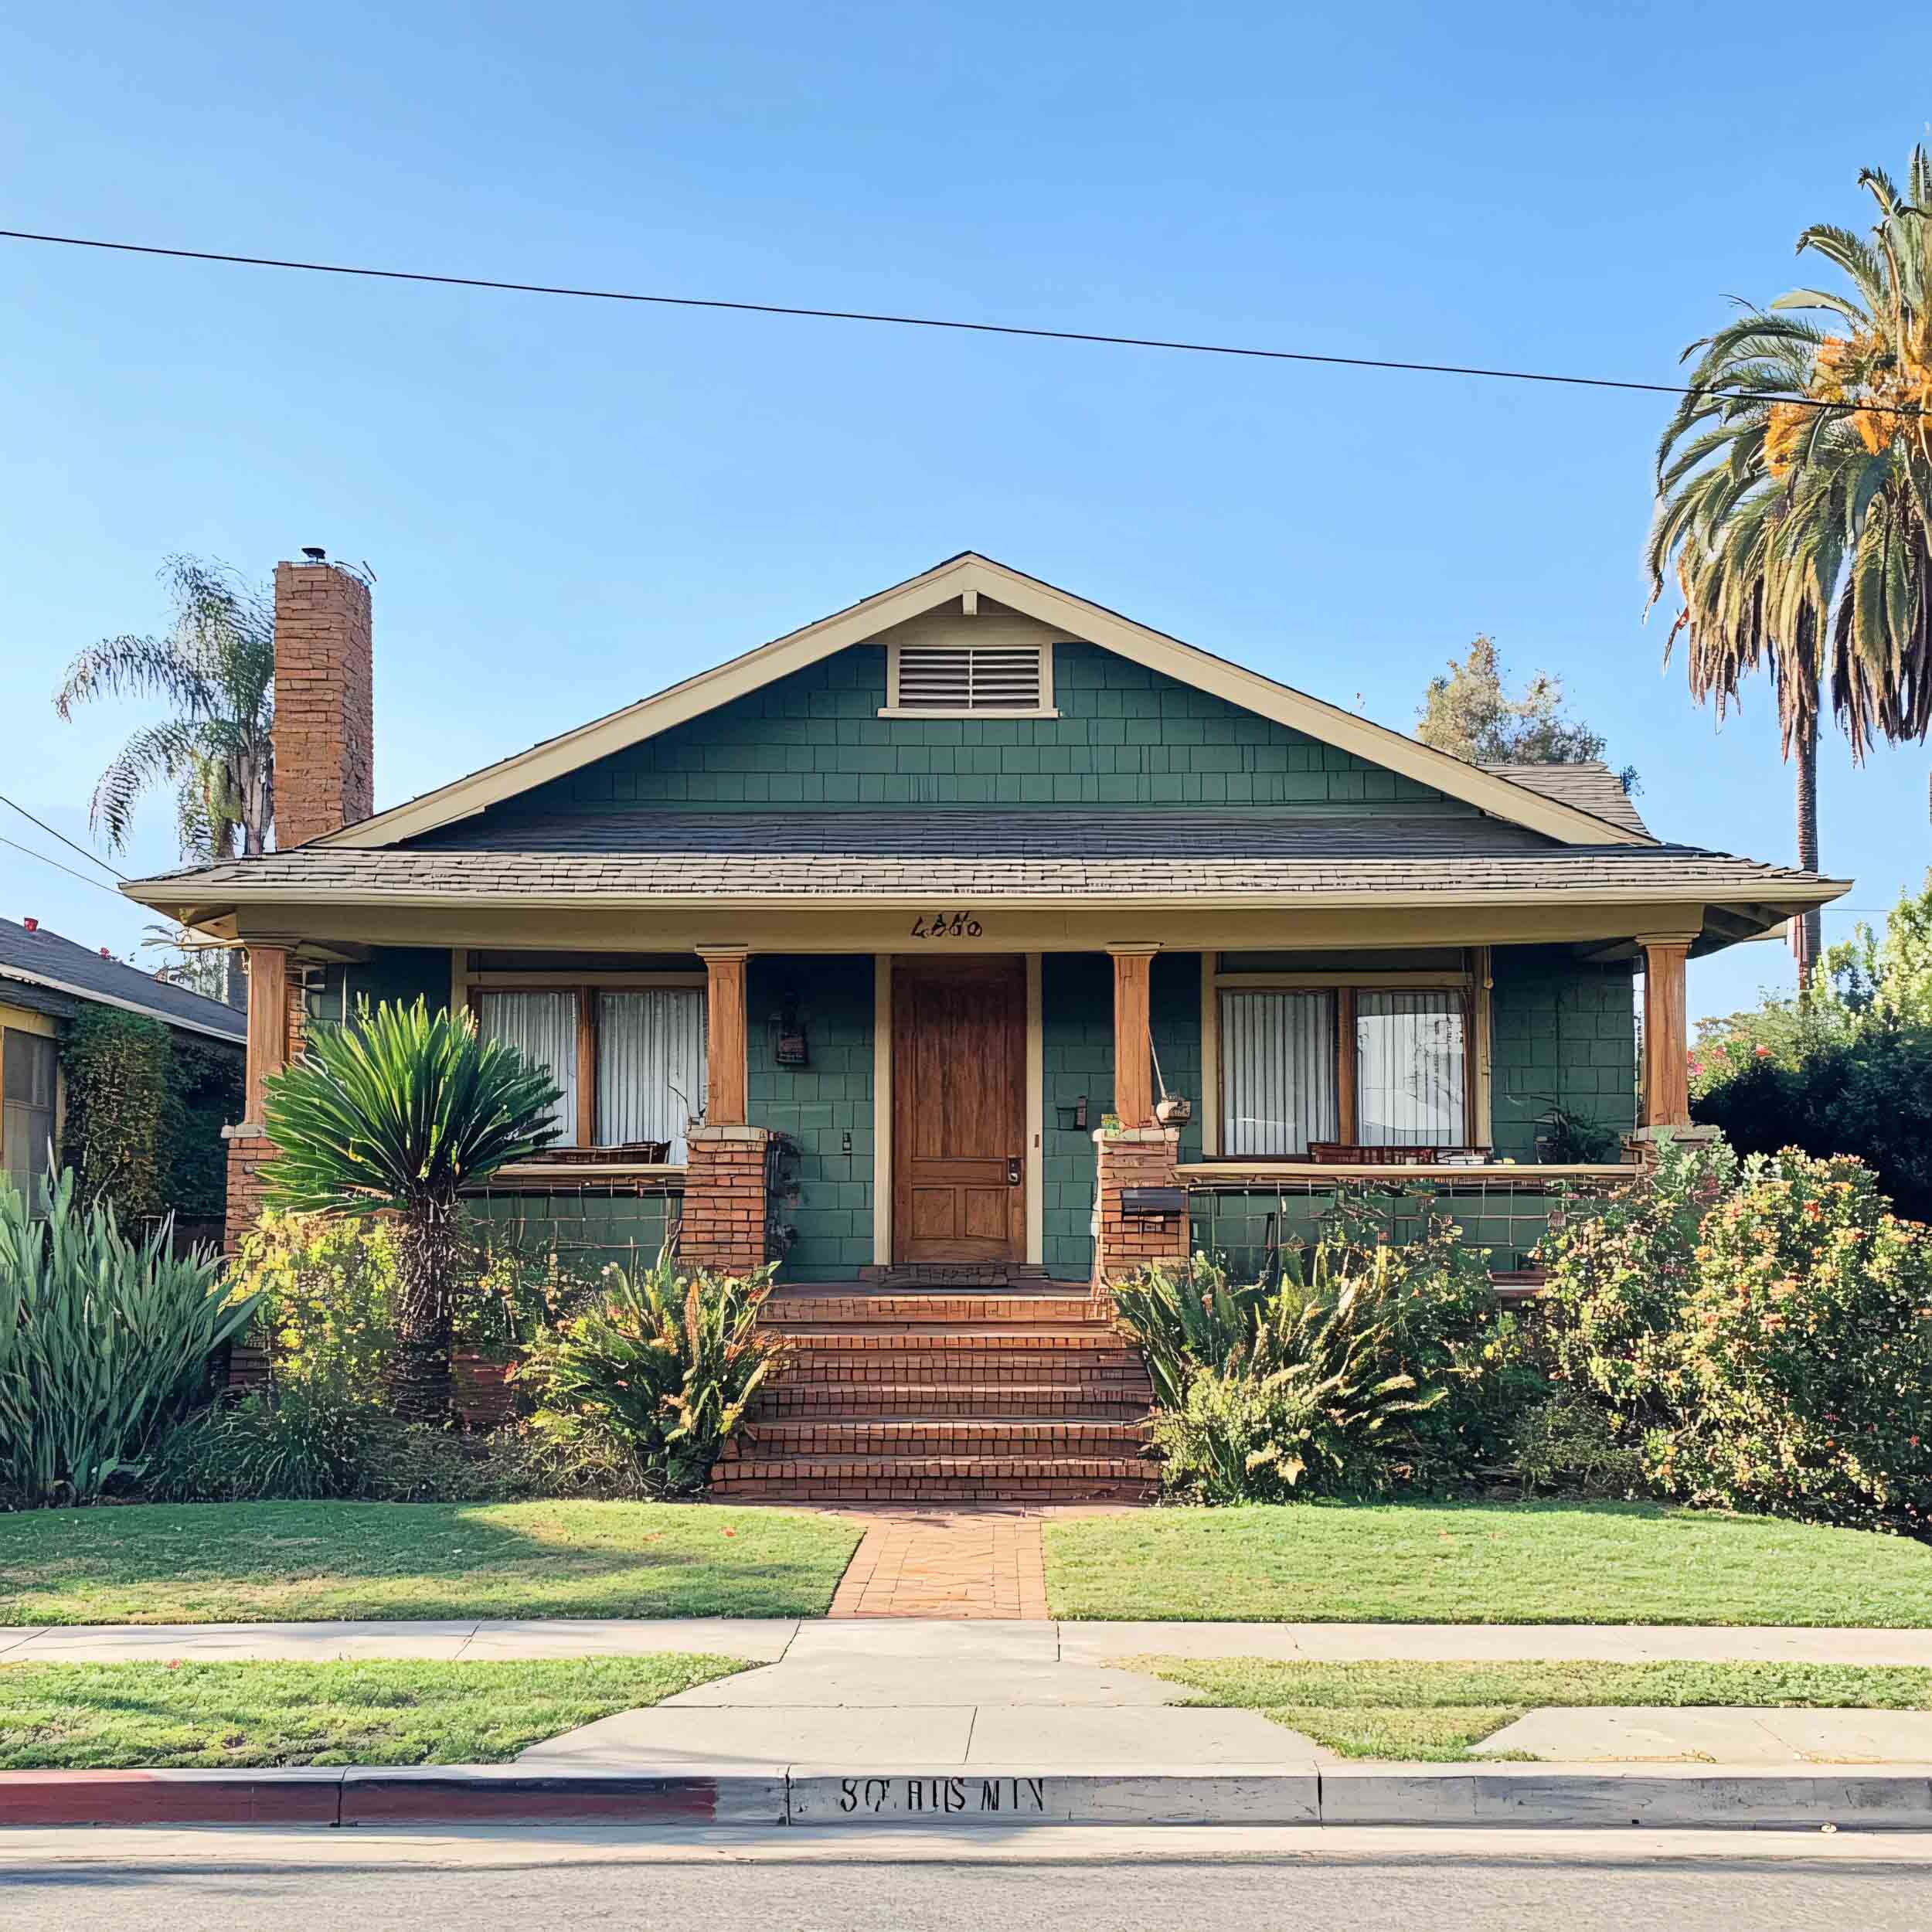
<point>816,1797</point>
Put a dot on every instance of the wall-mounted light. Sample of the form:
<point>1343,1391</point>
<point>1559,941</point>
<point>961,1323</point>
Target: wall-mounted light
<point>789,1047</point>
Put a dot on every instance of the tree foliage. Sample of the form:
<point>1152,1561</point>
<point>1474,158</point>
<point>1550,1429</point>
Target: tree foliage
<point>1468,712</point>
<point>1847,1070</point>
<point>215,671</point>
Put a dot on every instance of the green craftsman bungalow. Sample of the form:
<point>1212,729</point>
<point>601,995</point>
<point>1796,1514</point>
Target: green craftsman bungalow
<point>942,887</point>
<point>978,934</point>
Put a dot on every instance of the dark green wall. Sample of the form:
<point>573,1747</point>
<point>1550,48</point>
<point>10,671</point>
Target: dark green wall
<point>1125,735</point>
<point>398,974</point>
<point>588,1227</point>
<point>1076,1028</point>
<point>1562,1030</point>
<point>818,1104</point>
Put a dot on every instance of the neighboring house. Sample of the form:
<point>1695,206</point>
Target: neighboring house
<point>912,905</point>
<point>45,980</point>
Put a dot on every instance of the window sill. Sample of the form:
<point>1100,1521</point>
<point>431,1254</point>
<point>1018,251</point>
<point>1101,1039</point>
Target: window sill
<point>963,711</point>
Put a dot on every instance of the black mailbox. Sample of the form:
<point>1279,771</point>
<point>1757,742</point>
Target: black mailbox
<point>1149,1203</point>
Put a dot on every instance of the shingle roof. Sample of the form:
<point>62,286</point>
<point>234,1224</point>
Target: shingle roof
<point>1590,786</point>
<point>43,959</point>
<point>906,855</point>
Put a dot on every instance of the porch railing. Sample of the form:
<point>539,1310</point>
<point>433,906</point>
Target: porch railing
<point>1251,1221</point>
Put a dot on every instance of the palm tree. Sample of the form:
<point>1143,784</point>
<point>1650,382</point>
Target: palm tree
<point>215,670</point>
<point>398,1115</point>
<point>1795,502</point>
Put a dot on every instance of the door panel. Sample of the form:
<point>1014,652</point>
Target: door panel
<point>959,1110</point>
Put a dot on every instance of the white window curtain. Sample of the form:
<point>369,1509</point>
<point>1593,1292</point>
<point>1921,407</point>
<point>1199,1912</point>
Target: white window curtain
<point>1410,1062</point>
<point>29,1078</point>
<point>1277,1072</point>
<point>542,1027</point>
<point>651,1065</point>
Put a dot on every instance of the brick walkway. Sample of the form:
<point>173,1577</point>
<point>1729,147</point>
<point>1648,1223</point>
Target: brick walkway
<point>946,1562</point>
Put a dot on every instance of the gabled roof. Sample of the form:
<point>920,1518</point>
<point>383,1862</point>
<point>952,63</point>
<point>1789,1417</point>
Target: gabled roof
<point>1589,785</point>
<point>46,963</point>
<point>1503,796</point>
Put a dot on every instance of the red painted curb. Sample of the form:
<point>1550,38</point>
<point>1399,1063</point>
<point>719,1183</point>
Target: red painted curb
<point>170,1798</point>
<point>428,1796</point>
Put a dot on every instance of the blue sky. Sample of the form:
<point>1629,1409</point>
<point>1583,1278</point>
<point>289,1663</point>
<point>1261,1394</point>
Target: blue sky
<point>568,504</point>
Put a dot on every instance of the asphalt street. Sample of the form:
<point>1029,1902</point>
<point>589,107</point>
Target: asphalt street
<point>1073,1879</point>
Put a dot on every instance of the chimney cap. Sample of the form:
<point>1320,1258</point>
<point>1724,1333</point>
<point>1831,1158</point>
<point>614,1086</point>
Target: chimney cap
<point>32,924</point>
<point>315,552</point>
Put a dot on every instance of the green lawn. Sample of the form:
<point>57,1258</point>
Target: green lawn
<point>1435,1712</point>
<point>253,1563</point>
<point>1482,1563</point>
<point>160,1716</point>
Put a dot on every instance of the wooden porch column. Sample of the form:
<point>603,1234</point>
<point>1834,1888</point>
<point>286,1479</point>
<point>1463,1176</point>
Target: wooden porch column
<point>1132,1041</point>
<point>267,1024</point>
<point>1666,1031</point>
<point>724,1048</point>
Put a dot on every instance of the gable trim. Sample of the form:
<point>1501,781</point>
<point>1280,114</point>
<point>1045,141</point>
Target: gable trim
<point>965,575</point>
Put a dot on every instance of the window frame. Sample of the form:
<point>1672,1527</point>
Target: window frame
<point>1472,983</point>
<point>585,986</point>
<point>893,708</point>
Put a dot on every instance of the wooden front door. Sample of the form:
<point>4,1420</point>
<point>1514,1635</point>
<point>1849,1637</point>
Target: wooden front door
<point>959,1110</point>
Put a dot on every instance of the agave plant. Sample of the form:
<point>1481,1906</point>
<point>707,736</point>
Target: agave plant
<point>397,1113</point>
<point>1306,1398</point>
<point>103,1343</point>
<point>666,1364</point>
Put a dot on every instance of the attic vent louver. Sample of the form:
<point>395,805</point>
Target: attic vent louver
<point>970,678</point>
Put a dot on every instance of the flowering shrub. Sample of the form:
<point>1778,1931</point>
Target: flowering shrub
<point>1767,1326</point>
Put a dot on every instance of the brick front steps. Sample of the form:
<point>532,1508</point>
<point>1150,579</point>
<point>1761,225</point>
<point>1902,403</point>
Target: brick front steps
<point>946,1395</point>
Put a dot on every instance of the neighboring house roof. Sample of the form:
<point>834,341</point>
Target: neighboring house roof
<point>1590,786</point>
<point>38,962</point>
<point>665,856</point>
<point>1513,798</point>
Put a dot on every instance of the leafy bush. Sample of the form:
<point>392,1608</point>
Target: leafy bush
<point>328,1287</point>
<point>1438,1323</point>
<point>667,1364</point>
<point>1302,1406</point>
<point>103,1343</point>
<point>1767,1326</point>
<point>115,1067</point>
<point>1570,1444</point>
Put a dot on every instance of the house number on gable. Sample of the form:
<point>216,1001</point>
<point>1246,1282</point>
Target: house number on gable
<point>947,926</point>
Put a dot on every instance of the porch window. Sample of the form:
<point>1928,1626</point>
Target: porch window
<point>1278,1063</point>
<point>1411,1061</point>
<point>631,1062</point>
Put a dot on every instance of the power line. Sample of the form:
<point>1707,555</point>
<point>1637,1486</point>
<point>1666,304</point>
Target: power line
<point>63,837</point>
<point>933,321</point>
<point>58,867</point>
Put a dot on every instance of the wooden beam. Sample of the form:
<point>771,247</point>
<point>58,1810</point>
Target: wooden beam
<point>724,1048</point>
<point>1666,1031</point>
<point>267,1023</point>
<point>1133,1037</point>
<point>1346,1106</point>
<point>587,1121</point>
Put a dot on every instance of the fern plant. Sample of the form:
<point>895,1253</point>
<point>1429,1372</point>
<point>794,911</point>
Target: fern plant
<point>397,1113</point>
<point>668,1364</point>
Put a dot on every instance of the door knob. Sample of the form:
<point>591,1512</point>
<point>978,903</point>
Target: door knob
<point>1012,1172</point>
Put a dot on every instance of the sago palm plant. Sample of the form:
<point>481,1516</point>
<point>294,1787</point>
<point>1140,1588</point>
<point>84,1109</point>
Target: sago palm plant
<point>397,1113</point>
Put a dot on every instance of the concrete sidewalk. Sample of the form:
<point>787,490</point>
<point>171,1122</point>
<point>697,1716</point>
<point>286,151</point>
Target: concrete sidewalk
<point>769,1640</point>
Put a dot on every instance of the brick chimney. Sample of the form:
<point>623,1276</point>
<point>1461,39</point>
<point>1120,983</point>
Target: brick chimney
<point>325,725</point>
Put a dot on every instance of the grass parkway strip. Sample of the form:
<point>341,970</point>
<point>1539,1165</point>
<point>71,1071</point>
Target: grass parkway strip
<point>269,1561</point>
<point>214,1716</point>
<point>1434,1712</point>
<point>1482,1563</point>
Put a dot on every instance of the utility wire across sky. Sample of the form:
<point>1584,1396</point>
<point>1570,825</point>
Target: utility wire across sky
<point>61,836</point>
<point>940,322</point>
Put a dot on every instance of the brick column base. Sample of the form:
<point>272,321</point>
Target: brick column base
<point>250,1150</point>
<point>1134,1157</point>
<point>722,1230</point>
